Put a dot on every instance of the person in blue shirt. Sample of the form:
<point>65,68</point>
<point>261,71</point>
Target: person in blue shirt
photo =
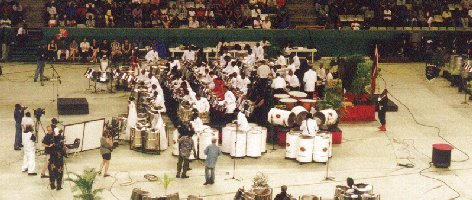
<point>212,152</point>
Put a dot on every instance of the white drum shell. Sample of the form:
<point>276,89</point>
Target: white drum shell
<point>292,143</point>
<point>331,116</point>
<point>321,149</point>
<point>253,143</point>
<point>226,138</point>
<point>281,117</point>
<point>305,149</point>
<point>238,144</point>
<point>204,141</point>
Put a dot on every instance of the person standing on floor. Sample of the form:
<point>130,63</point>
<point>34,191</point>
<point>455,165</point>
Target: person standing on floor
<point>56,162</point>
<point>212,152</point>
<point>106,147</point>
<point>382,103</point>
<point>48,143</point>
<point>29,157</point>
<point>18,115</point>
<point>41,56</point>
<point>186,146</point>
<point>309,78</point>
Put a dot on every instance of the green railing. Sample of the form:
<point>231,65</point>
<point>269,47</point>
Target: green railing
<point>328,42</point>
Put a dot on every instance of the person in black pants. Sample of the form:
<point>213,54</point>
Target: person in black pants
<point>186,146</point>
<point>18,114</point>
<point>382,103</point>
<point>56,162</point>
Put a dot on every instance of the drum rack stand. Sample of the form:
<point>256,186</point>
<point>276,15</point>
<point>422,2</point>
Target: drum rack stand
<point>327,177</point>
<point>234,159</point>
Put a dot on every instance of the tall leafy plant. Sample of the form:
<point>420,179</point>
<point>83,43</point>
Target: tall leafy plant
<point>84,184</point>
<point>362,78</point>
<point>333,96</point>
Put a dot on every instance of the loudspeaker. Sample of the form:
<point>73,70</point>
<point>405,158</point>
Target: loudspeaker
<point>72,106</point>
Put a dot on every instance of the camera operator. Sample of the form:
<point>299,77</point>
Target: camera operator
<point>56,161</point>
<point>48,143</point>
<point>18,115</point>
<point>29,157</point>
<point>54,127</point>
<point>41,56</point>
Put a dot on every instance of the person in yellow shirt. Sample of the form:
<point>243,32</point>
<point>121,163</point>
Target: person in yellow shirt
<point>447,16</point>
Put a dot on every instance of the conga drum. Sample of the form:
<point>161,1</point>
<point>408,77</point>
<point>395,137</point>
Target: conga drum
<point>300,114</point>
<point>226,137</point>
<point>321,149</point>
<point>238,144</point>
<point>281,117</point>
<point>204,141</point>
<point>291,147</point>
<point>305,149</point>
<point>289,103</point>
<point>308,103</point>
<point>298,95</point>
<point>253,143</point>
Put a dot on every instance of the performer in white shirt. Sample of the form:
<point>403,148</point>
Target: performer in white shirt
<point>281,60</point>
<point>329,76</point>
<point>258,51</point>
<point>292,81</point>
<point>278,84</point>
<point>309,126</point>
<point>250,59</point>
<point>322,76</point>
<point>243,124</point>
<point>242,83</point>
<point>296,61</point>
<point>174,66</point>
<point>159,101</point>
<point>225,58</point>
<point>309,78</point>
<point>197,123</point>
<point>152,56</point>
<point>230,102</point>
<point>189,55</point>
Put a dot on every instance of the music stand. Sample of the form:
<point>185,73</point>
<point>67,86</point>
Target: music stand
<point>234,159</point>
<point>327,177</point>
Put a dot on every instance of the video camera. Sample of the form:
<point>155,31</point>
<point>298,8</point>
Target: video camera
<point>38,112</point>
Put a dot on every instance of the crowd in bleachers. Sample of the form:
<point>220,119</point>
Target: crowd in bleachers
<point>11,13</point>
<point>260,14</point>
<point>393,13</point>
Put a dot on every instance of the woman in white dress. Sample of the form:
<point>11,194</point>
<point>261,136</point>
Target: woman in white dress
<point>132,118</point>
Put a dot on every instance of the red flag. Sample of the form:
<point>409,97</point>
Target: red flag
<point>375,68</point>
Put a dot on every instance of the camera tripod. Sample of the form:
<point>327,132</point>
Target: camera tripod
<point>38,124</point>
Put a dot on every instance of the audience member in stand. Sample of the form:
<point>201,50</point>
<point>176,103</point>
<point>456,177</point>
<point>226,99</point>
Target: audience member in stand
<point>115,50</point>
<point>22,35</point>
<point>52,50</point>
<point>106,147</point>
<point>104,48</point>
<point>283,194</point>
<point>73,49</point>
<point>186,147</point>
<point>212,152</point>
<point>62,49</point>
<point>84,50</point>
<point>95,50</point>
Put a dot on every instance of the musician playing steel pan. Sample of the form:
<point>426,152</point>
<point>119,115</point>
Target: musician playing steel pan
<point>292,81</point>
<point>203,108</point>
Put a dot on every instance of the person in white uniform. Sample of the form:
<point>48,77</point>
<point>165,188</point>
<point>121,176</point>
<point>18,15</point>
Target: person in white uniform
<point>281,61</point>
<point>258,51</point>
<point>309,78</point>
<point>152,56</point>
<point>230,102</point>
<point>27,121</point>
<point>159,101</point>
<point>242,83</point>
<point>189,55</point>
<point>278,84</point>
<point>296,61</point>
<point>197,123</point>
<point>309,126</point>
<point>132,118</point>
<point>224,58</point>
<point>292,81</point>
<point>203,107</point>
<point>243,124</point>
<point>29,151</point>
<point>250,59</point>
<point>321,72</point>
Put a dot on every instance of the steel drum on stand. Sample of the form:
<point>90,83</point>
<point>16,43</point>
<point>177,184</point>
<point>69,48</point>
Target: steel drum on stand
<point>238,144</point>
<point>298,95</point>
<point>226,137</point>
<point>305,149</point>
<point>321,149</point>
<point>289,103</point>
<point>291,147</point>
<point>308,104</point>
<point>281,117</point>
<point>300,114</point>
<point>253,143</point>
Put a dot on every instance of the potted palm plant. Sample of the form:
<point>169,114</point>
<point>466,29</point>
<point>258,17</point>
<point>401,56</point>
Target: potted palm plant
<point>165,181</point>
<point>260,184</point>
<point>84,184</point>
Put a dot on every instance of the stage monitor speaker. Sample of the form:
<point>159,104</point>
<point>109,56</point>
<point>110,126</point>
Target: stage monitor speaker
<point>72,106</point>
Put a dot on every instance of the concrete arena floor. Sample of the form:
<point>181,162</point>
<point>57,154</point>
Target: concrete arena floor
<point>365,154</point>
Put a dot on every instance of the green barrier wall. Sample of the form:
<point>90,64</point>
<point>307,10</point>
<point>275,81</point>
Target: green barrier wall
<point>328,42</point>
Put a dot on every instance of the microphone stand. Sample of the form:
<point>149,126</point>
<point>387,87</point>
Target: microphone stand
<point>327,177</point>
<point>55,77</point>
<point>234,159</point>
